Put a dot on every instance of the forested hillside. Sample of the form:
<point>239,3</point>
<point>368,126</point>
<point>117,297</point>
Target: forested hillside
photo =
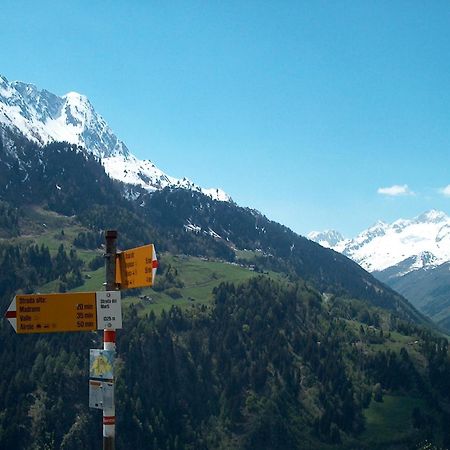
<point>181,221</point>
<point>267,365</point>
<point>254,337</point>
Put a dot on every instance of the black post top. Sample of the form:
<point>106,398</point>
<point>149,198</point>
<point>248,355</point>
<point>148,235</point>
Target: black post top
<point>111,234</point>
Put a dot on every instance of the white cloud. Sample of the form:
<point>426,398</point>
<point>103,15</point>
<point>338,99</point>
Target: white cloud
<point>397,190</point>
<point>445,191</point>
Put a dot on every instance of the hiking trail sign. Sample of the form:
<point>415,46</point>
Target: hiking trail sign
<point>136,267</point>
<point>89,311</point>
<point>53,313</point>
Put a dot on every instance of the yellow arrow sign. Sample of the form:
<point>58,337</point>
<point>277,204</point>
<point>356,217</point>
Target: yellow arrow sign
<point>51,313</point>
<point>47,313</point>
<point>136,267</point>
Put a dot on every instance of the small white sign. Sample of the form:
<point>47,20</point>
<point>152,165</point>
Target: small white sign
<point>95,394</point>
<point>101,394</point>
<point>109,310</point>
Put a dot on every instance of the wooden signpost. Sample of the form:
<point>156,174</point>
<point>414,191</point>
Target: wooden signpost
<point>89,311</point>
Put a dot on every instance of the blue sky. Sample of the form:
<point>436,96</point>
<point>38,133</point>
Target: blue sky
<point>319,114</point>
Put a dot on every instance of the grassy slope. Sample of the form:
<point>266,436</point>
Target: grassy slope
<point>40,226</point>
<point>199,276</point>
<point>390,420</point>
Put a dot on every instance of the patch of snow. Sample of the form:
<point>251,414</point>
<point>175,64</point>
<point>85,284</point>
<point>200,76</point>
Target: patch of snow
<point>213,234</point>
<point>217,194</point>
<point>191,227</point>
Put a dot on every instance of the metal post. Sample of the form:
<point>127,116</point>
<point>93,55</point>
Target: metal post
<point>111,250</point>
<point>109,338</point>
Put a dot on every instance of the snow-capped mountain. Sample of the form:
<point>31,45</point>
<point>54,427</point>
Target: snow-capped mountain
<point>327,238</point>
<point>410,255</point>
<point>44,117</point>
<point>410,244</point>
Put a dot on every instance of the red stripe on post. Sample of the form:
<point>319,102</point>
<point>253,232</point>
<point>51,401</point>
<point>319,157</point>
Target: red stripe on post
<point>109,336</point>
<point>155,264</point>
<point>109,420</point>
<point>11,314</point>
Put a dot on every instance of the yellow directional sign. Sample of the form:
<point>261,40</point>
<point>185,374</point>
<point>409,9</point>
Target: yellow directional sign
<point>136,267</point>
<point>51,313</point>
<point>48,313</point>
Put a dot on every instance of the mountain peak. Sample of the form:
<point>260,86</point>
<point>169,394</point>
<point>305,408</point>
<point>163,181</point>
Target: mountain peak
<point>379,225</point>
<point>432,216</point>
<point>75,95</point>
<point>422,241</point>
<point>78,100</point>
<point>326,238</point>
<point>43,117</point>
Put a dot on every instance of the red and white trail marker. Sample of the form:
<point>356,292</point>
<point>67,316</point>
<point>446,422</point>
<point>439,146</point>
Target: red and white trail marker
<point>11,314</point>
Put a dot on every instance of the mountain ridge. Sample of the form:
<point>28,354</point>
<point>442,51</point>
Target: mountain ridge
<point>425,237</point>
<point>412,256</point>
<point>44,117</point>
<point>183,221</point>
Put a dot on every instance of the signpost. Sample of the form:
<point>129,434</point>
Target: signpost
<point>89,311</point>
<point>109,343</point>
<point>136,267</point>
<point>55,313</point>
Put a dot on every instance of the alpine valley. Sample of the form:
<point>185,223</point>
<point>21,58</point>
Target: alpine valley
<point>253,337</point>
<point>410,255</point>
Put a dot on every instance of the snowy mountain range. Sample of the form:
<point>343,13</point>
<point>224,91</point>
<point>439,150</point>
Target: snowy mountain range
<point>410,255</point>
<point>43,117</point>
<point>409,244</point>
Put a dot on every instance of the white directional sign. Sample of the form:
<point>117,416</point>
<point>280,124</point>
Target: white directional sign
<point>109,310</point>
